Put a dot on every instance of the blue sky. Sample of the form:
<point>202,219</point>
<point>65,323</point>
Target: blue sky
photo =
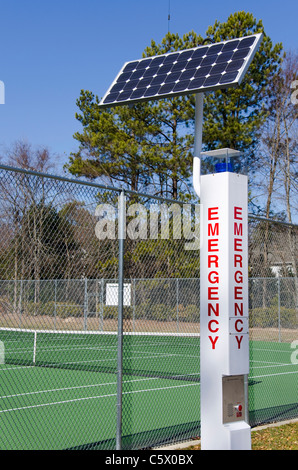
<point>50,50</point>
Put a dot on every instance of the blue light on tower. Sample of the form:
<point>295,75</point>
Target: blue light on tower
<point>224,166</point>
<point>223,160</point>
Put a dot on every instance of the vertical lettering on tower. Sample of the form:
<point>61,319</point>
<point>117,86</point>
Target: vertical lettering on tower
<point>213,275</point>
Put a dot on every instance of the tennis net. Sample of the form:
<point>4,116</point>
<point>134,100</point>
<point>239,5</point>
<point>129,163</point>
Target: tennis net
<point>165,355</point>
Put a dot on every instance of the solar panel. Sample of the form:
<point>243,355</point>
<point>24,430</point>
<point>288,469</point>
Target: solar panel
<point>200,69</point>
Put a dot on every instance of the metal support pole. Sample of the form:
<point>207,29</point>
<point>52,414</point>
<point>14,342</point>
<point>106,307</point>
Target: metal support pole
<point>199,105</point>
<point>279,322</point>
<point>121,236</point>
<point>246,404</point>
<point>20,303</point>
<point>177,304</point>
<point>55,305</point>
<point>101,304</point>
<point>85,305</point>
<point>134,305</point>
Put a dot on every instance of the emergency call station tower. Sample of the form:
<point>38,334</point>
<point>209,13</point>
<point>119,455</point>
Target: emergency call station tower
<point>224,362</point>
<point>224,347</point>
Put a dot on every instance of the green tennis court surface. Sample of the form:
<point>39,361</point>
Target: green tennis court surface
<point>59,390</point>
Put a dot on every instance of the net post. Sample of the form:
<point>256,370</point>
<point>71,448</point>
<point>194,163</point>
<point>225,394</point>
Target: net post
<point>121,236</point>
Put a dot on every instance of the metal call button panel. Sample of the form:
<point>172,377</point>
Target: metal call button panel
<point>233,398</point>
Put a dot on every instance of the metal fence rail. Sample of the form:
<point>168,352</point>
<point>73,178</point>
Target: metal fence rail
<point>86,364</point>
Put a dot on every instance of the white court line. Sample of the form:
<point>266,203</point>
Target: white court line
<point>105,360</point>
<point>93,398</point>
<point>124,393</point>
<point>272,364</point>
<point>143,379</point>
<point>133,351</point>
<point>10,367</point>
<point>110,395</point>
<point>56,390</point>
<point>78,347</point>
<point>272,375</point>
<point>277,351</point>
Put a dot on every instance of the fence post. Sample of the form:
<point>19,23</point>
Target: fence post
<point>55,306</point>
<point>134,304</point>
<point>121,236</point>
<point>101,305</point>
<point>246,410</point>
<point>278,297</point>
<point>20,303</point>
<point>85,304</point>
<point>177,304</point>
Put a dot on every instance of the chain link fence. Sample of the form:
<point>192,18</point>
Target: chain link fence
<point>69,380</point>
<point>149,305</point>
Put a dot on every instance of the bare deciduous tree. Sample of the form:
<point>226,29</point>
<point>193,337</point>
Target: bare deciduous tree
<point>276,175</point>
